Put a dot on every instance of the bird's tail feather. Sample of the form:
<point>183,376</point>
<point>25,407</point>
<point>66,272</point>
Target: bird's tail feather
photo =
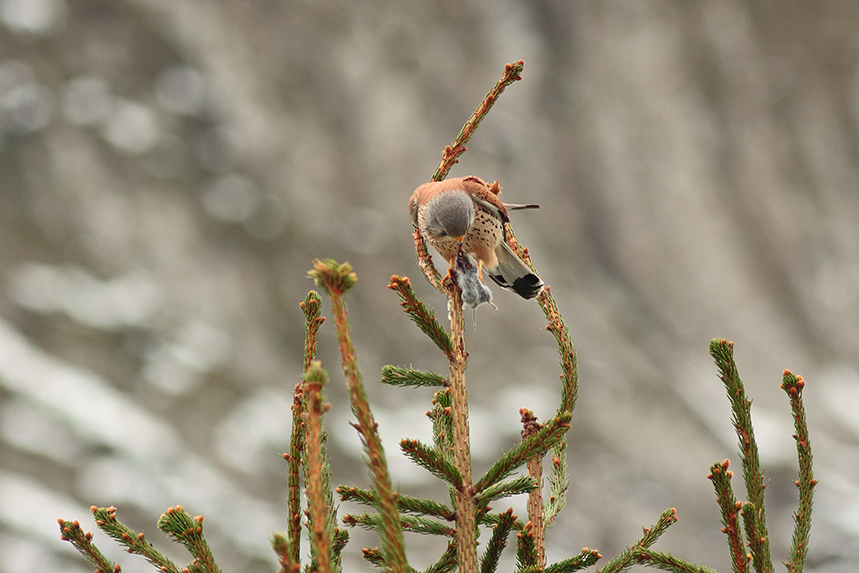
<point>513,274</point>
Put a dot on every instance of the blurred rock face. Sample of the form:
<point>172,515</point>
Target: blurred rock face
<point>169,169</point>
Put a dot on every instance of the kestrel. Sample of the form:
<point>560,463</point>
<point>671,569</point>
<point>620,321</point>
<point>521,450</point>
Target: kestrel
<point>465,213</point>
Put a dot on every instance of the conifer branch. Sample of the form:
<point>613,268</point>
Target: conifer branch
<point>72,532</point>
<point>559,480</point>
<point>442,423</point>
<point>281,546</point>
<point>457,148</point>
<point>721,476</point>
<point>492,519</point>
<point>447,561</point>
<point>341,538</point>
<point>318,473</point>
<point>294,459</point>
<point>178,525</point>
<point>793,386</point>
<point>666,562</point>
<point>722,352</point>
<point>526,549</point>
<point>535,496</point>
<point>413,523</point>
<point>405,503</point>
<point>433,461</point>
<point>515,486</point>
<point>425,263</point>
<point>463,496</point>
<point>421,314</point>
<point>498,541</point>
<point>311,307</point>
<point>585,558</point>
<point>451,155</point>
<point>755,536</point>
<point>420,506</point>
<point>135,543</point>
<point>335,280</point>
<point>536,444</point>
<point>396,376</point>
<point>627,558</point>
<point>374,556</point>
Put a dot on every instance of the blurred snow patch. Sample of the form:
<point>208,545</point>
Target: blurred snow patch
<point>87,101</point>
<point>542,400</point>
<point>35,430</point>
<point>408,421</point>
<point>835,284</point>
<point>256,431</point>
<point>176,366</point>
<point>365,230</point>
<point>232,198</point>
<point>132,128</point>
<point>773,434</point>
<point>182,90</point>
<point>840,388</point>
<point>115,480</point>
<point>117,303</point>
<point>32,16</point>
<point>29,106</point>
<point>21,555</point>
<point>29,507</point>
<point>98,412</point>
<point>28,103</point>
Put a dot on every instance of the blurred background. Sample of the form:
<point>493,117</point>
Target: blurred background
<point>169,169</point>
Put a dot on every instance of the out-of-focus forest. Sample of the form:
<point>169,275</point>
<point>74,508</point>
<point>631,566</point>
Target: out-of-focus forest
<point>169,169</point>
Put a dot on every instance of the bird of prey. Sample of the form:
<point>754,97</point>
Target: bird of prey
<point>465,213</point>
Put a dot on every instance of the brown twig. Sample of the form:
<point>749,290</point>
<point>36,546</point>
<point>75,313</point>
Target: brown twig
<point>721,476</point>
<point>793,385</point>
<point>452,152</point>
<point>451,155</point>
<point>315,380</point>
<point>559,479</point>
<point>755,526</point>
<point>72,532</point>
<point>466,540</point>
<point>535,496</point>
<point>336,279</point>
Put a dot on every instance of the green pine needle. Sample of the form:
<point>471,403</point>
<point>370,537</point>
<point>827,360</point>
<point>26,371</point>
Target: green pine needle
<point>405,503</point>
<point>521,484</point>
<point>666,562</point>
<point>422,315</point>
<point>396,376</point>
<point>413,523</point>
<point>431,460</point>
<point>498,541</point>
<point>532,446</point>
<point>447,561</point>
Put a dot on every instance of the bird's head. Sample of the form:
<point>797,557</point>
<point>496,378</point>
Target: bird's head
<point>450,214</point>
